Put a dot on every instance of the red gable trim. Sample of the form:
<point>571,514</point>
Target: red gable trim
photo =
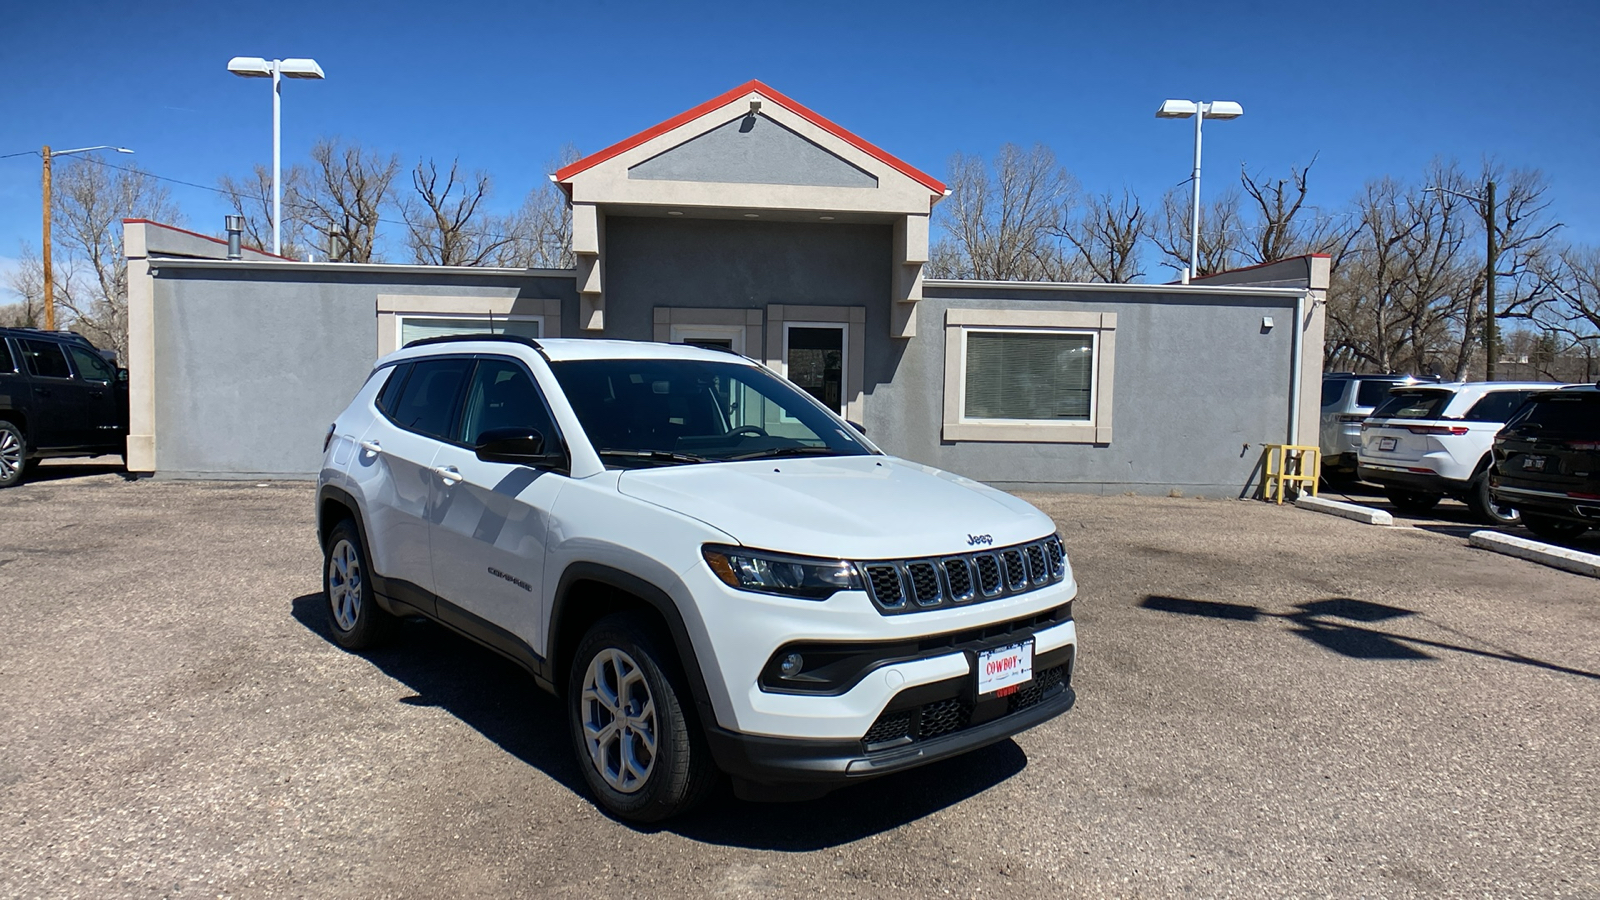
<point>201,236</point>
<point>617,149</point>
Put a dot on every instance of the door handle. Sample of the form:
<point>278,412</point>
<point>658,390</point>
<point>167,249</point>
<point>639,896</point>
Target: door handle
<point>371,447</point>
<point>450,475</point>
<point>41,391</point>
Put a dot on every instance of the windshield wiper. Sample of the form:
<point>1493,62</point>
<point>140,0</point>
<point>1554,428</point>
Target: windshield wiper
<point>787,451</point>
<point>657,455</point>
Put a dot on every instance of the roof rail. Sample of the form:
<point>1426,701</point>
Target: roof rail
<point>459,338</point>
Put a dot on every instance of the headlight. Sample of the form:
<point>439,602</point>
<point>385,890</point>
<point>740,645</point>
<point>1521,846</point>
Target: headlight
<point>774,573</point>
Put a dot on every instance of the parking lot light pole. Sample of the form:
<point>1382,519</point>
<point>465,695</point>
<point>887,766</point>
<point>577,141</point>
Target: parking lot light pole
<point>49,270</point>
<point>277,70</point>
<point>1210,109</point>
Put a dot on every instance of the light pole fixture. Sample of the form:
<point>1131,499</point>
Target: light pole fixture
<point>277,70</point>
<point>49,270</point>
<point>1210,109</point>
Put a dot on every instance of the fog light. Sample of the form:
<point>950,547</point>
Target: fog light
<point>791,665</point>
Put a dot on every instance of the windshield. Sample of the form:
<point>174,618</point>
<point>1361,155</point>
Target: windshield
<point>651,412</point>
<point>1414,405</point>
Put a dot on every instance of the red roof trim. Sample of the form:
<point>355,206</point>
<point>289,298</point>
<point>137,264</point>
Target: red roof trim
<point>1259,266</point>
<point>202,236</point>
<point>865,146</point>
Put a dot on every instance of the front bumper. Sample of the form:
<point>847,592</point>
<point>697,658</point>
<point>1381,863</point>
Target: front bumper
<point>789,768</point>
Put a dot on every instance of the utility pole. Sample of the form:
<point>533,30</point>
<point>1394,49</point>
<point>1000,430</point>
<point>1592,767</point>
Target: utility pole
<point>1492,263</point>
<point>49,272</point>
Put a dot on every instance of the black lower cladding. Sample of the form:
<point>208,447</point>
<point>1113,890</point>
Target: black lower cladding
<point>932,718</point>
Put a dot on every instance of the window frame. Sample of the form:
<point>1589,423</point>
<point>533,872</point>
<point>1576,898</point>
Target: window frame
<point>1102,331</point>
<point>400,320</point>
<point>844,358</point>
<point>28,356</point>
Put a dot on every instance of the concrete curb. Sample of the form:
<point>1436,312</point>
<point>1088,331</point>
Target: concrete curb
<point>1366,515</point>
<point>1533,551</point>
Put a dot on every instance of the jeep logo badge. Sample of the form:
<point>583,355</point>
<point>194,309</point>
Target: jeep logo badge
<point>984,539</point>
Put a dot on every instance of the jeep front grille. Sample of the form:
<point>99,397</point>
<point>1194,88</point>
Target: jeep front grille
<point>900,586</point>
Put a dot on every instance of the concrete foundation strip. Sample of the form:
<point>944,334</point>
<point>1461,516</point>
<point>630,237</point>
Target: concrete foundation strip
<point>1533,551</point>
<point>1363,514</point>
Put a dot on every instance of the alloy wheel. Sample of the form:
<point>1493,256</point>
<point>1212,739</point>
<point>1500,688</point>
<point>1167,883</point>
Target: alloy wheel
<point>344,584</point>
<point>618,716</point>
<point>10,454</point>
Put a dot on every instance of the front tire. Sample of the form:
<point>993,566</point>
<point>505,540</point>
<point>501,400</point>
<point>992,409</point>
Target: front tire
<point>1484,507</point>
<point>1412,501</point>
<point>353,614</point>
<point>643,757</point>
<point>13,454</point>
<point>1552,529</point>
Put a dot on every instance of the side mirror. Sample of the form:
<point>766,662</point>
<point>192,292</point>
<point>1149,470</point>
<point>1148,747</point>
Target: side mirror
<point>857,426</point>
<point>122,376</point>
<point>518,446</point>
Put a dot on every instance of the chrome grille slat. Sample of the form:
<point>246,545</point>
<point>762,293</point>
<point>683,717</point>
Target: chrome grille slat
<point>899,586</point>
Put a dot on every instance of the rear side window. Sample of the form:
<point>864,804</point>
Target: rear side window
<point>1374,393</point>
<point>390,392</point>
<point>1499,406</point>
<point>45,359</point>
<point>6,363</point>
<point>1414,405</point>
<point>1569,415</point>
<point>427,403</point>
<point>1332,392</point>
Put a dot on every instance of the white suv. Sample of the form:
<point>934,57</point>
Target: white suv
<point>1432,441</point>
<point>714,571</point>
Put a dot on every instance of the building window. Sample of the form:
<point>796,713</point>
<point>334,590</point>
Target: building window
<point>738,330</point>
<point>1028,375</point>
<point>414,327</point>
<point>814,359</point>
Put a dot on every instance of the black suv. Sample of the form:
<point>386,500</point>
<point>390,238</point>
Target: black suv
<point>1547,462</point>
<point>58,397</point>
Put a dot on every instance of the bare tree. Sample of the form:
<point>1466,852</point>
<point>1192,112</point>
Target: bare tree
<point>541,230</point>
<point>1004,225</point>
<point>1220,232</point>
<point>89,202</point>
<point>1275,234</point>
<point>445,225</point>
<point>344,195</point>
<point>1107,233</point>
<point>251,199</point>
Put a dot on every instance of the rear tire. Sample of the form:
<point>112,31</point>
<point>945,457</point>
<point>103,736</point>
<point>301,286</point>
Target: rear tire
<point>354,616</point>
<point>1552,529</point>
<point>1412,501</point>
<point>13,454</point>
<point>1484,507</point>
<point>641,753</point>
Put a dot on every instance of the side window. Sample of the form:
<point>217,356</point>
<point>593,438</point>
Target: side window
<point>7,366</point>
<point>45,359</point>
<point>1332,392</point>
<point>91,366</point>
<point>427,402</point>
<point>1496,407</point>
<point>390,392</point>
<point>503,395</point>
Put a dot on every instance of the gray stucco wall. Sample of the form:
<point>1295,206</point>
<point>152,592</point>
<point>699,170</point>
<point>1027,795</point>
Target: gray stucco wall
<point>1196,380</point>
<point>718,263</point>
<point>753,150</point>
<point>251,365</point>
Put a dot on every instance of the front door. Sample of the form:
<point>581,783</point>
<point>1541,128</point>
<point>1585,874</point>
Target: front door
<point>491,519</point>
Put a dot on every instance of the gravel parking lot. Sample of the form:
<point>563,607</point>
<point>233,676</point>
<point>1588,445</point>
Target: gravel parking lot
<point>1271,703</point>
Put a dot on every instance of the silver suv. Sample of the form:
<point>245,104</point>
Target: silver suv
<point>1347,400</point>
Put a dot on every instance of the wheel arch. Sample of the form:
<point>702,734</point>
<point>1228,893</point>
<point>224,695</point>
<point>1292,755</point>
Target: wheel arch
<point>588,592</point>
<point>18,418</point>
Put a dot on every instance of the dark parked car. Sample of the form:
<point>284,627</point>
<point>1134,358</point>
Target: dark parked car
<point>1547,462</point>
<point>58,397</point>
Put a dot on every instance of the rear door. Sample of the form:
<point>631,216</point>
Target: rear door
<point>15,392</point>
<point>60,401</point>
<point>491,520</point>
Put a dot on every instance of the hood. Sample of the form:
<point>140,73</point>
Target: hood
<point>850,507</point>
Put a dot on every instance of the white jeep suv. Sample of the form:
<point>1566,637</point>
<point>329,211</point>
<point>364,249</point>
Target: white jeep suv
<point>714,571</point>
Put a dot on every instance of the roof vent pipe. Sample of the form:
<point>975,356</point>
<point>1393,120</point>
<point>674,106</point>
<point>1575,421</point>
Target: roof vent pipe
<point>235,227</point>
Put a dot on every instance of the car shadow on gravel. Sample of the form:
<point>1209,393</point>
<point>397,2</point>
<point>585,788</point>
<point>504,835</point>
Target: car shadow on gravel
<point>500,701</point>
<point>1319,621</point>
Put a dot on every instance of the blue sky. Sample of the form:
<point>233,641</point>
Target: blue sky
<point>1371,88</point>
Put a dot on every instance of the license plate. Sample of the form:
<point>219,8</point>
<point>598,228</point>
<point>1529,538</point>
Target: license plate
<point>1533,463</point>
<point>1003,669</point>
<point>1386,443</point>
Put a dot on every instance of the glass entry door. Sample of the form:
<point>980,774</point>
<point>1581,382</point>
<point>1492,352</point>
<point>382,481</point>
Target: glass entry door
<point>813,356</point>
